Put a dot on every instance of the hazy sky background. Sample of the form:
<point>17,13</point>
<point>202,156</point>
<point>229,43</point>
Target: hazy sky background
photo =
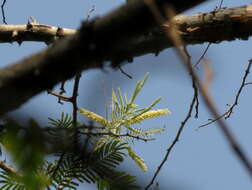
<point>202,159</point>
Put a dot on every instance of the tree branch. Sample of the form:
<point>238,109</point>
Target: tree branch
<point>7,167</point>
<point>94,43</point>
<point>173,34</point>
<point>230,110</point>
<point>32,32</point>
<point>216,26</point>
<point>225,129</point>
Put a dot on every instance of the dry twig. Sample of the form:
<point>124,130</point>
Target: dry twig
<point>3,13</point>
<point>203,54</point>
<point>126,74</point>
<point>228,113</point>
<point>194,99</point>
<point>173,35</point>
<point>209,44</point>
<point>7,167</point>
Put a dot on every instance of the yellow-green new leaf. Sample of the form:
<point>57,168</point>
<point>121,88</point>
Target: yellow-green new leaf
<point>148,115</point>
<point>95,117</point>
<point>139,161</point>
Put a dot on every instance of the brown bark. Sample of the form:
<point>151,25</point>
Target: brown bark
<point>95,42</point>
<point>216,26</point>
<point>32,32</point>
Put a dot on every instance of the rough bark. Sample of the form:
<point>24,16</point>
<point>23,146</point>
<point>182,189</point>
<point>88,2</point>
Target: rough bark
<point>32,32</point>
<point>95,42</point>
<point>216,26</point>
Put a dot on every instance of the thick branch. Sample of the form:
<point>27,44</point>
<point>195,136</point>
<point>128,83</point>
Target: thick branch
<point>95,42</point>
<point>216,26</point>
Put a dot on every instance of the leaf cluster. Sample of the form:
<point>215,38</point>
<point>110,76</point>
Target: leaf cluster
<point>125,113</point>
<point>68,169</point>
<point>93,158</point>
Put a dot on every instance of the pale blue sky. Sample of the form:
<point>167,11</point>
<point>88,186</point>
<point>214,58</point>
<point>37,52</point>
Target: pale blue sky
<point>202,159</point>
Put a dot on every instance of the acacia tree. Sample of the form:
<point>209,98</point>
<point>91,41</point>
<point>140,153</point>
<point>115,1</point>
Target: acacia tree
<point>142,27</point>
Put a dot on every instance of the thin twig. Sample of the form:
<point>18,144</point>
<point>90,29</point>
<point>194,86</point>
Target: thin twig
<point>88,137</point>
<point>73,100</point>
<point>58,165</point>
<point>117,135</point>
<point>173,35</point>
<point>240,90</point>
<point>69,130</point>
<point>90,12</point>
<point>175,140</point>
<point>75,107</point>
<point>212,121</point>
<point>7,167</point>
<point>209,44</point>
<point>203,54</point>
<point>62,91</point>
<point>228,113</point>
<point>3,13</point>
<point>60,96</point>
<point>193,84</point>
<point>221,4</point>
<point>189,113</point>
<point>233,143</point>
<point>248,83</point>
<point>62,87</point>
<point>123,72</point>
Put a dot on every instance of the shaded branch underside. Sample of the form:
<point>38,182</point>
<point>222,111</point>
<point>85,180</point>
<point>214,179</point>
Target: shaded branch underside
<point>126,32</point>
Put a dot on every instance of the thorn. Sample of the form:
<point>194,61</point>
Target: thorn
<point>28,26</point>
<point>14,34</point>
<point>19,42</point>
<point>60,32</point>
<point>32,20</point>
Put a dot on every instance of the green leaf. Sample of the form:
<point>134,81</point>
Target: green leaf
<point>138,88</point>
<point>65,121</point>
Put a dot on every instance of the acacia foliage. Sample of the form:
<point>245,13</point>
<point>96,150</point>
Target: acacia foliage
<point>78,153</point>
